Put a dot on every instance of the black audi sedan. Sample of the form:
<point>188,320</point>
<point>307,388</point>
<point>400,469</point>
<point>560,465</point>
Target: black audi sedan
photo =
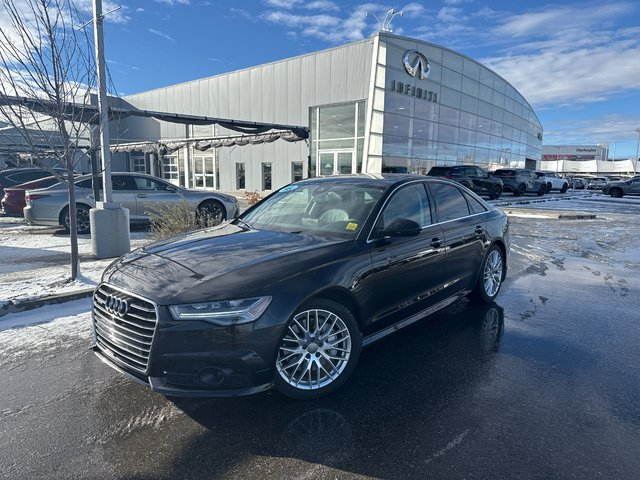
<point>287,294</point>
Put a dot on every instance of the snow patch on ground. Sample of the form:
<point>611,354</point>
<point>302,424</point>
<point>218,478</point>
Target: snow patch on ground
<point>34,261</point>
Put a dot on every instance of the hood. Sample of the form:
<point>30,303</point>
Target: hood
<point>220,263</point>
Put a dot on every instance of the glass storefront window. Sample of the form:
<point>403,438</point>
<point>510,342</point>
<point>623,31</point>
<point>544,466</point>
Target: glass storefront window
<point>395,146</point>
<point>337,121</point>
<point>266,176</point>
<point>396,125</point>
<point>425,130</point>
<point>296,171</point>
<point>240,176</point>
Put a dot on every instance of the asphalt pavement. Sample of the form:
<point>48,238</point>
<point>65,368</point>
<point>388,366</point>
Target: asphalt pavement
<point>543,384</point>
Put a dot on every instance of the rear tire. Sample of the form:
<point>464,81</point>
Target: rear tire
<point>82,219</point>
<point>542,190</point>
<point>549,187</point>
<point>616,193</point>
<point>318,351</point>
<point>520,190</point>
<point>496,191</point>
<point>490,277</point>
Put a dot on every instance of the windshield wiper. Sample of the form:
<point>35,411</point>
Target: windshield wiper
<point>239,220</point>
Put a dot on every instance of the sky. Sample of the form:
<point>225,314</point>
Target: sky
<point>577,63</point>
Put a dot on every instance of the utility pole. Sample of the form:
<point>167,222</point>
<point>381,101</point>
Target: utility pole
<point>109,221</point>
<point>635,160</point>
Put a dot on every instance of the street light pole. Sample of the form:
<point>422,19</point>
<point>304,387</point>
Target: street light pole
<point>635,160</point>
<point>109,221</point>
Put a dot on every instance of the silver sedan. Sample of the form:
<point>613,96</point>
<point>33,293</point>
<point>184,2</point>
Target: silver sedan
<point>135,191</point>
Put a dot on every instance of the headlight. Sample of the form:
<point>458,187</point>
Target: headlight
<point>224,313</point>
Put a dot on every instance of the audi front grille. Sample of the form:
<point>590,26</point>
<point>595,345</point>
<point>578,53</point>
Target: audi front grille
<point>124,325</point>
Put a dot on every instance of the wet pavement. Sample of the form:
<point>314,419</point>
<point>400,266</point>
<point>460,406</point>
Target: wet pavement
<point>543,384</point>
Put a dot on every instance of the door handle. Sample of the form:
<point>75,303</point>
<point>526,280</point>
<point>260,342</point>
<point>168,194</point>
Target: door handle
<point>479,230</point>
<point>141,195</point>
<point>436,242</point>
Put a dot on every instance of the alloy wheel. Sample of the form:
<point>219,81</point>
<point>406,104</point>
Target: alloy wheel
<point>493,273</point>
<point>315,350</point>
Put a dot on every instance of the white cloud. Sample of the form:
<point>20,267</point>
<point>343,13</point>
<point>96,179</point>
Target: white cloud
<point>172,3</point>
<point>288,4</point>
<point>325,27</point>
<point>162,35</point>
<point>322,5</point>
<point>450,14</point>
<point>613,129</point>
<point>561,18</point>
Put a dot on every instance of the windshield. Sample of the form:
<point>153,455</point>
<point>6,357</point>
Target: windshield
<point>322,208</point>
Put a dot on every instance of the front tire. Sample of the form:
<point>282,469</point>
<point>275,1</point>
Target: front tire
<point>318,351</point>
<point>211,213</point>
<point>564,188</point>
<point>82,219</point>
<point>549,187</point>
<point>490,278</point>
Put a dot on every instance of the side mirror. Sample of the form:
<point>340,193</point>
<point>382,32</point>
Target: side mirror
<point>402,227</point>
<point>170,189</point>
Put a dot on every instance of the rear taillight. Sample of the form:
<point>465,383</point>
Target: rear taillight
<point>28,198</point>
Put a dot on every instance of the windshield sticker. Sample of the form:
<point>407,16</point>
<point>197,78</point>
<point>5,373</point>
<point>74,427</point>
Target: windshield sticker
<point>351,226</point>
<point>290,188</point>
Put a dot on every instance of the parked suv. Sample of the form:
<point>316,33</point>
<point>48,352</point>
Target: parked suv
<point>520,181</point>
<point>626,187</point>
<point>553,181</point>
<point>472,177</point>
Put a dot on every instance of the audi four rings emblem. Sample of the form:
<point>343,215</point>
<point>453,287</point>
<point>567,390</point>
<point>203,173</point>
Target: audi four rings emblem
<point>116,306</point>
<point>415,62</point>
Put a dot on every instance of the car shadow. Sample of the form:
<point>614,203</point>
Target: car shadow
<point>405,387</point>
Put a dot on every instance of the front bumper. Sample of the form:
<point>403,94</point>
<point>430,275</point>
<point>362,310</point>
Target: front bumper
<point>191,358</point>
<point>164,386</point>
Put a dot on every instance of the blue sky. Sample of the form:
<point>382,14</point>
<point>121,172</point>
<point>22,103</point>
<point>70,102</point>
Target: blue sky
<point>577,63</point>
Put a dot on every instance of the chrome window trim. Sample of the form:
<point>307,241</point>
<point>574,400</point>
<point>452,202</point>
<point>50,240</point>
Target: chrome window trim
<point>424,182</point>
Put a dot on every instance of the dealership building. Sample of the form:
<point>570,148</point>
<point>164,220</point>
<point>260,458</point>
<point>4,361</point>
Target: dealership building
<point>384,104</point>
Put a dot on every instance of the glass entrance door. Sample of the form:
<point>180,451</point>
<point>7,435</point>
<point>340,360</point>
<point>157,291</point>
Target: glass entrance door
<point>334,162</point>
<point>203,172</point>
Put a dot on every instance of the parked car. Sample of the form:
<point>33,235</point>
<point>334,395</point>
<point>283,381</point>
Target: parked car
<point>11,177</point>
<point>13,201</point>
<point>598,183</point>
<point>553,180</point>
<point>579,182</point>
<point>619,189</point>
<point>135,191</point>
<point>520,181</point>
<point>472,177</point>
<point>289,292</point>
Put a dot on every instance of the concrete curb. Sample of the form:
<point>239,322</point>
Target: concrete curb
<point>15,306</point>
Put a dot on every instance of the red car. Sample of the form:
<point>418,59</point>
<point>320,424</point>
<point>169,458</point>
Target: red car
<point>13,201</point>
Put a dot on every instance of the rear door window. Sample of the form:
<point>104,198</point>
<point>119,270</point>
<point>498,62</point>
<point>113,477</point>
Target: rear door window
<point>450,202</point>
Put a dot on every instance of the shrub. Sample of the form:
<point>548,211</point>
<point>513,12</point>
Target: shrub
<point>171,219</point>
<point>252,197</point>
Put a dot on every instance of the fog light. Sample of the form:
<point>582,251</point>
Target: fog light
<point>213,376</point>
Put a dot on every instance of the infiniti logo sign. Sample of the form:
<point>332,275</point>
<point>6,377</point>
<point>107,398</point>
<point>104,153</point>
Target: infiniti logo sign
<point>116,306</point>
<point>415,62</point>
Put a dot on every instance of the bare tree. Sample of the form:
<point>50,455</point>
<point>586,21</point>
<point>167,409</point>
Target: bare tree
<point>47,73</point>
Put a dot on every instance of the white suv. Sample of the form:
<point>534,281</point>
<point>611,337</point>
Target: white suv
<point>553,181</point>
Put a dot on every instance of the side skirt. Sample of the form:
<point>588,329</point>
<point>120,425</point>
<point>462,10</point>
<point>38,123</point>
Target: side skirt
<point>413,318</point>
